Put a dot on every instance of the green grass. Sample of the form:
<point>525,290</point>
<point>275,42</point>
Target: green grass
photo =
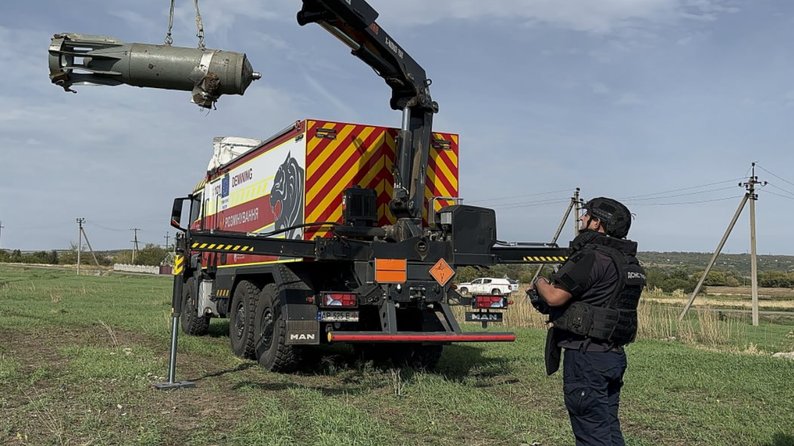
<point>79,355</point>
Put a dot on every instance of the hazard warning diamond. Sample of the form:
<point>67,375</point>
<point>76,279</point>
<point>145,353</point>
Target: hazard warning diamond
<point>442,272</point>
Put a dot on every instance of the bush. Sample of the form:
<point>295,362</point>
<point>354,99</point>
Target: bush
<point>671,280</point>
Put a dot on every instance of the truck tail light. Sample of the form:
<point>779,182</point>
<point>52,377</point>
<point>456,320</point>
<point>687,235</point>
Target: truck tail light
<point>344,300</point>
<point>487,301</point>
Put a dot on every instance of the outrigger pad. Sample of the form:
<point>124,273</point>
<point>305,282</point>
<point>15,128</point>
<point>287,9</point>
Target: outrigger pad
<point>175,385</point>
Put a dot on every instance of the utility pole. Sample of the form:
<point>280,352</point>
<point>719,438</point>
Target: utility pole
<point>573,204</point>
<point>167,235</point>
<point>751,196</point>
<point>577,206</point>
<point>134,243</point>
<point>80,222</point>
<point>1,229</point>
<point>750,186</point>
<point>90,249</point>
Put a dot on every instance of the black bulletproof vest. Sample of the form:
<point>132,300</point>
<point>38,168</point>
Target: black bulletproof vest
<point>614,322</point>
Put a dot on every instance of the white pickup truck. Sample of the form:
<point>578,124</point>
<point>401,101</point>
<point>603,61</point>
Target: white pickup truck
<point>488,285</point>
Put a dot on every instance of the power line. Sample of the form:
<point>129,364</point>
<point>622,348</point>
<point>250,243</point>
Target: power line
<point>107,228</point>
<point>780,188</point>
<point>682,189</point>
<point>688,202</point>
<point>779,195</point>
<point>680,195</point>
<point>532,203</point>
<point>507,197</point>
<point>770,173</point>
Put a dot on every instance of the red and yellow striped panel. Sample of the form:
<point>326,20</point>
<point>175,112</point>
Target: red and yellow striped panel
<point>340,155</point>
<point>441,180</point>
<point>442,171</point>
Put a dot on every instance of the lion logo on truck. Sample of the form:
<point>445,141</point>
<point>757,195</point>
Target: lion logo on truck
<point>286,198</point>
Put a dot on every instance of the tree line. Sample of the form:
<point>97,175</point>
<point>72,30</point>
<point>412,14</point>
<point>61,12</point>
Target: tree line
<point>150,254</point>
<point>664,278</point>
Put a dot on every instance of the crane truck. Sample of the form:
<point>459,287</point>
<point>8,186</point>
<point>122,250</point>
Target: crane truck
<point>335,232</point>
<point>330,232</point>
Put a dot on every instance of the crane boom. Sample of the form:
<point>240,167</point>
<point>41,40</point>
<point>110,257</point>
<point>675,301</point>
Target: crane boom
<point>353,22</point>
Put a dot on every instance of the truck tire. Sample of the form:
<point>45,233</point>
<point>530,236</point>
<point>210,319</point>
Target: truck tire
<point>192,323</point>
<point>241,319</point>
<point>464,290</point>
<point>270,334</point>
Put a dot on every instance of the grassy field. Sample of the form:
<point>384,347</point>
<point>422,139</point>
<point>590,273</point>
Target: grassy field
<point>79,355</point>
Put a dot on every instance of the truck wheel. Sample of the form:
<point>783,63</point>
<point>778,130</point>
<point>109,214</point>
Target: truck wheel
<point>496,292</point>
<point>241,319</point>
<point>192,323</point>
<point>270,334</point>
<point>464,290</point>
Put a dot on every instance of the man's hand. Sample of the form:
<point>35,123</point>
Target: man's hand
<point>537,300</point>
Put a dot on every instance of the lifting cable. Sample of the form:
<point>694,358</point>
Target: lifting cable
<point>168,39</point>
<point>199,26</point>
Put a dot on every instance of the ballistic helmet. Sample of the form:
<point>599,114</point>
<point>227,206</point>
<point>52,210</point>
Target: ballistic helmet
<point>615,217</point>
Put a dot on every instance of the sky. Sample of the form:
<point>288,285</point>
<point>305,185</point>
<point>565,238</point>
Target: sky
<point>662,104</point>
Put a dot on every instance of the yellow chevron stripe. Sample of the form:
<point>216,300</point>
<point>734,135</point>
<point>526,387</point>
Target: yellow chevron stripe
<point>321,186</point>
<point>442,189</point>
<point>443,169</point>
<point>314,142</point>
<point>236,248</point>
<point>334,191</point>
<point>179,265</point>
<point>545,258</point>
<point>341,137</point>
<point>203,245</point>
<point>378,165</point>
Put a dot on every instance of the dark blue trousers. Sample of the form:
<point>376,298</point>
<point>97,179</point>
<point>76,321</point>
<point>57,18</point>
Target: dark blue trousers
<point>592,382</point>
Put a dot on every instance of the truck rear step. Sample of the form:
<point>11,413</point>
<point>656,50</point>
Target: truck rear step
<point>375,336</point>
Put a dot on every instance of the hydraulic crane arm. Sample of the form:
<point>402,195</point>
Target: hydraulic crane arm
<point>353,22</point>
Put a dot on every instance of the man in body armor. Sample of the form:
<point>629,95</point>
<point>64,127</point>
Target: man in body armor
<point>592,307</point>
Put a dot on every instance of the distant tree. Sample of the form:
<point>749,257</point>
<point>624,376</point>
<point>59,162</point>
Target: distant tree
<point>69,257</point>
<point>151,254</point>
<point>124,257</point>
<point>670,280</point>
<point>776,279</point>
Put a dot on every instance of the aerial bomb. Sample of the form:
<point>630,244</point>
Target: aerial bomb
<point>79,59</point>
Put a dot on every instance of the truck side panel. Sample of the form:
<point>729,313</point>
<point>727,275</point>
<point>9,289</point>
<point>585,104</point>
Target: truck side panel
<point>301,178</point>
<point>263,192</point>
